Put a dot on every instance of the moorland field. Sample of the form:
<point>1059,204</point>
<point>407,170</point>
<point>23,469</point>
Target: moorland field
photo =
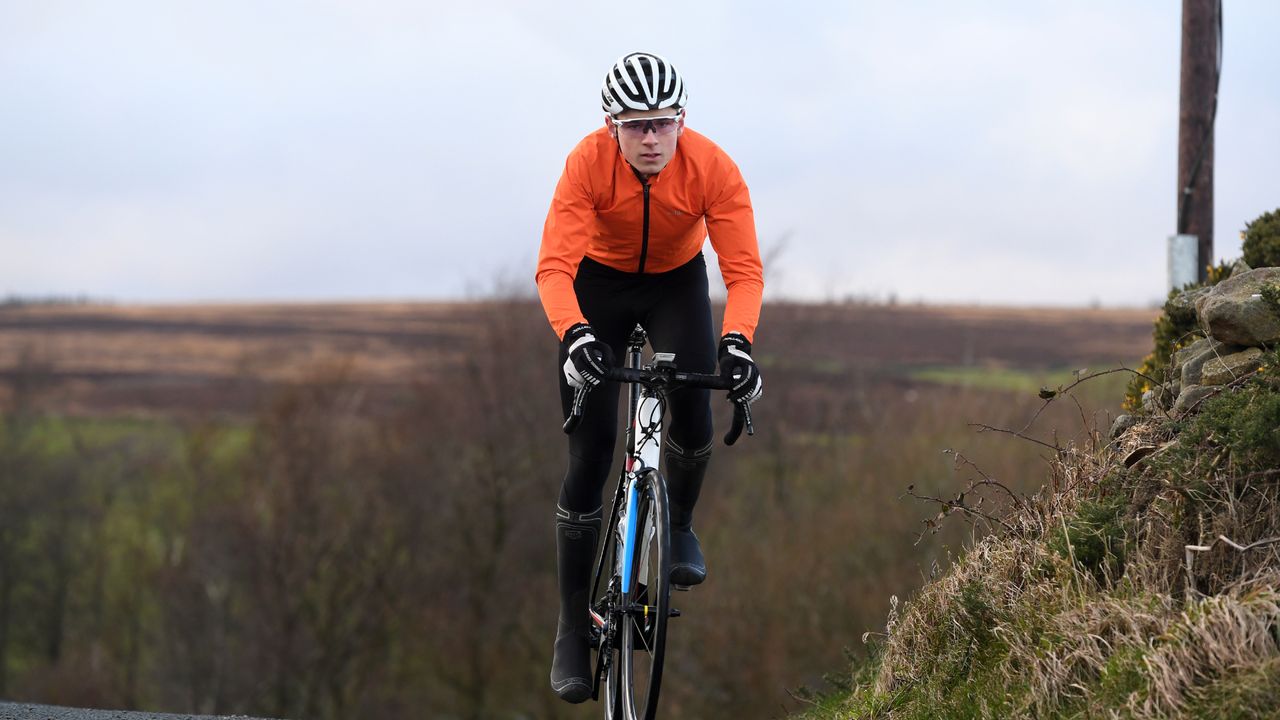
<point>345,510</point>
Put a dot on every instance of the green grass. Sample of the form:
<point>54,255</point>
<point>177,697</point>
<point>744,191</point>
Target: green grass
<point>970,679</point>
<point>988,378</point>
<point>977,691</point>
<point>53,436</point>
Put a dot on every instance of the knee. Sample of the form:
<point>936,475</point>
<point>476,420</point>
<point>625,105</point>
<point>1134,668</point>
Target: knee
<point>686,456</point>
<point>691,433</point>
<point>592,443</point>
<point>592,467</point>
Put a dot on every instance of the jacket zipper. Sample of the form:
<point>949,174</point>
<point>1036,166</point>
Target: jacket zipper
<point>644,238</point>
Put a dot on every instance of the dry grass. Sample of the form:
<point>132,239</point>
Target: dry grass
<point>1209,639</point>
<point>1087,603</point>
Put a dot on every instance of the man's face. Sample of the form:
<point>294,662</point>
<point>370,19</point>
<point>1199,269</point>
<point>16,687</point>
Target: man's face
<point>648,146</point>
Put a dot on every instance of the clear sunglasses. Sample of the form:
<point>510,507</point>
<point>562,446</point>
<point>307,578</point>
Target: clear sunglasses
<point>664,125</point>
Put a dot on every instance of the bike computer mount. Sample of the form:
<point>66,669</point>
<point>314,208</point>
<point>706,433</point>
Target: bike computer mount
<point>662,361</point>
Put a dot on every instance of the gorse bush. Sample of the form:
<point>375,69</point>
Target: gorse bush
<point>1094,538</point>
<point>1271,296</point>
<point>1262,240</point>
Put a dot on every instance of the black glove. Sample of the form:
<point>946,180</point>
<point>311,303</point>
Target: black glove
<point>736,362</point>
<point>589,359</point>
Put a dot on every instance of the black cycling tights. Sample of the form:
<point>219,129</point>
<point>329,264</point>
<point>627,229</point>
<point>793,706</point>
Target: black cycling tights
<point>673,307</point>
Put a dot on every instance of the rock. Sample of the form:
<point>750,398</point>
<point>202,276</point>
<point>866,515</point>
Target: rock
<point>1232,314</point>
<point>1180,357</point>
<point>1122,425</point>
<point>1224,369</point>
<point>1187,299</point>
<point>1190,396</point>
<point>1239,267</point>
<point>1193,362</point>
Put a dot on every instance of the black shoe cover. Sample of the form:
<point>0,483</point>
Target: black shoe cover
<point>576,535</point>
<point>571,666</point>
<point>685,473</point>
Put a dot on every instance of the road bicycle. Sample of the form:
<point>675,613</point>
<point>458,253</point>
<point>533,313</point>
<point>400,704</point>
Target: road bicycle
<point>631,585</point>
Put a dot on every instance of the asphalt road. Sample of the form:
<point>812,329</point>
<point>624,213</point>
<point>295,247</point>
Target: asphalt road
<point>27,711</point>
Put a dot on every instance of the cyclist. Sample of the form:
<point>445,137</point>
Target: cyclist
<point>622,245</point>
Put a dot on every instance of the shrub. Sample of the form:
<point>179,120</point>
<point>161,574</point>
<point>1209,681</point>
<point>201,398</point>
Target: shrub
<point>1094,538</point>
<point>1271,296</point>
<point>1241,428</point>
<point>1262,240</point>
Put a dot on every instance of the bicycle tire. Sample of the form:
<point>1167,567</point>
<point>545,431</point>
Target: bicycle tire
<point>613,692</point>
<point>643,635</point>
<point>604,587</point>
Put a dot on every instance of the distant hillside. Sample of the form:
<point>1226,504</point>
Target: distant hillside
<point>96,359</point>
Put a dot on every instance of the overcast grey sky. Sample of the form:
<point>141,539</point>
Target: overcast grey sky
<point>996,152</point>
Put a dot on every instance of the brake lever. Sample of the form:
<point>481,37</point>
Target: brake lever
<point>575,409</point>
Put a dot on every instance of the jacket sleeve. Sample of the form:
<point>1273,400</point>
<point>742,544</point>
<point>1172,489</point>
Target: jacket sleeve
<point>570,222</point>
<point>731,225</point>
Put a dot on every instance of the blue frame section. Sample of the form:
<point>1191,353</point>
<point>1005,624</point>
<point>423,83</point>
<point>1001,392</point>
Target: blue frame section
<point>629,533</point>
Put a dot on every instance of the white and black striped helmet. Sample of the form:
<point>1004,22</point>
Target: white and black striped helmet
<point>642,81</point>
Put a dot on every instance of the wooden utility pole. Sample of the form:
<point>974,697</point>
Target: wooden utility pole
<point>1198,104</point>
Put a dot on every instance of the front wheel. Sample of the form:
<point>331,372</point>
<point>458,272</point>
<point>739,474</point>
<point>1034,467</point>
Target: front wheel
<point>646,605</point>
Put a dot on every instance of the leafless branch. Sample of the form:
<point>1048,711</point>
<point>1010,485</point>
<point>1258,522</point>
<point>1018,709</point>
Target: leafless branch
<point>1016,433</point>
<point>1261,475</point>
<point>1192,549</point>
<point>801,699</point>
<point>951,506</point>
<point>1067,390</point>
<point>962,461</point>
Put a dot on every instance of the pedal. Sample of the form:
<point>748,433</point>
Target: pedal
<point>673,612</point>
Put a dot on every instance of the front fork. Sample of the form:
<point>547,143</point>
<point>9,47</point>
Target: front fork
<point>626,578</point>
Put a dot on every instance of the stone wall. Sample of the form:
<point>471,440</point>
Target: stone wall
<point>1239,325</point>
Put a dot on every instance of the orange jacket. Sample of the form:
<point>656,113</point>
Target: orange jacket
<point>598,212</point>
